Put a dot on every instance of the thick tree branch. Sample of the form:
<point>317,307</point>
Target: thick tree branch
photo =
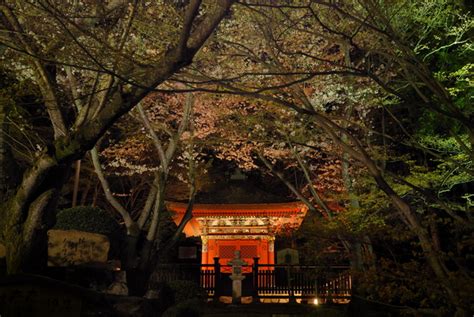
<point>46,82</point>
<point>132,228</point>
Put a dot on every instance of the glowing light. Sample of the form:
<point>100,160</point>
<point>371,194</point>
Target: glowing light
<point>315,301</point>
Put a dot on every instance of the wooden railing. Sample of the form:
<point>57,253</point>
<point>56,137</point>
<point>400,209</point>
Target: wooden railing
<point>302,281</point>
<point>327,283</point>
<point>204,275</point>
<point>207,280</point>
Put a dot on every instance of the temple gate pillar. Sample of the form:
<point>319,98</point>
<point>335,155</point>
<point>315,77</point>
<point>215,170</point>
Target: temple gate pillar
<point>271,250</point>
<point>205,250</point>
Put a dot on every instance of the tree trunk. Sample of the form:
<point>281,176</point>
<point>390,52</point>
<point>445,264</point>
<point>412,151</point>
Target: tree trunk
<point>357,261</point>
<point>129,253</point>
<point>27,214</point>
<point>130,249</point>
<point>406,214</point>
<point>77,178</point>
<point>25,247</point>
<point>147,251</point>
<point>433,257</point>
<point>30,213</point>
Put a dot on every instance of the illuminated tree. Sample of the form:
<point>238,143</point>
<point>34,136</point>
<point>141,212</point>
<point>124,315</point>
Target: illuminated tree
<point>102,57</point>
<point>379,54</point>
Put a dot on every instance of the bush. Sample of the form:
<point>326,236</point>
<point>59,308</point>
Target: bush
<point>89,219</point>
<point>187,308</point>
<point>184,290</point>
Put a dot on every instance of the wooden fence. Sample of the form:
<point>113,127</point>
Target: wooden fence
<point>284,281</point>
<point>327,283</point>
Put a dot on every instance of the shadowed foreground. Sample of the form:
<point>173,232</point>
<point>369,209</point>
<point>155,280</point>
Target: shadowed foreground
<point>36,296</point>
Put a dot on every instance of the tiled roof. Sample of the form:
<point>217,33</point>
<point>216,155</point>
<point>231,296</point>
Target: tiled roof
<point>270,209</point>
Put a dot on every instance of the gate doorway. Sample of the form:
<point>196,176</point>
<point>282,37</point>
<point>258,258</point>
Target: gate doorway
<point>249,249</point>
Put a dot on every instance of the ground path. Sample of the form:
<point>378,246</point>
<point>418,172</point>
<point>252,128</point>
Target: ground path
<point>273,310</point>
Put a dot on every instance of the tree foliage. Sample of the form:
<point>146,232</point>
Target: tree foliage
<point>363,109</point>
<point>89,219</point>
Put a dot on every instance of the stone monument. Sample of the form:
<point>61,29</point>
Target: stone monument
<point>71,247</point>
<point>237,277</point>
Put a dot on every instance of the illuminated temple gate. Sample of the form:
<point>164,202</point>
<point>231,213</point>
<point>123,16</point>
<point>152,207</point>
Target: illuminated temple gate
<point>250,228</point>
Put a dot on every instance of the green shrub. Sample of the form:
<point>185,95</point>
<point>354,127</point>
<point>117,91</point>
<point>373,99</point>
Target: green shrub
<point>89,219</point>
<point>187,308</point>
<point>184,290</point>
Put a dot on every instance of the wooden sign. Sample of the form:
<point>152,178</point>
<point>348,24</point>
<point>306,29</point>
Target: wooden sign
<point>71,247</point>
<point>288,256</point>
